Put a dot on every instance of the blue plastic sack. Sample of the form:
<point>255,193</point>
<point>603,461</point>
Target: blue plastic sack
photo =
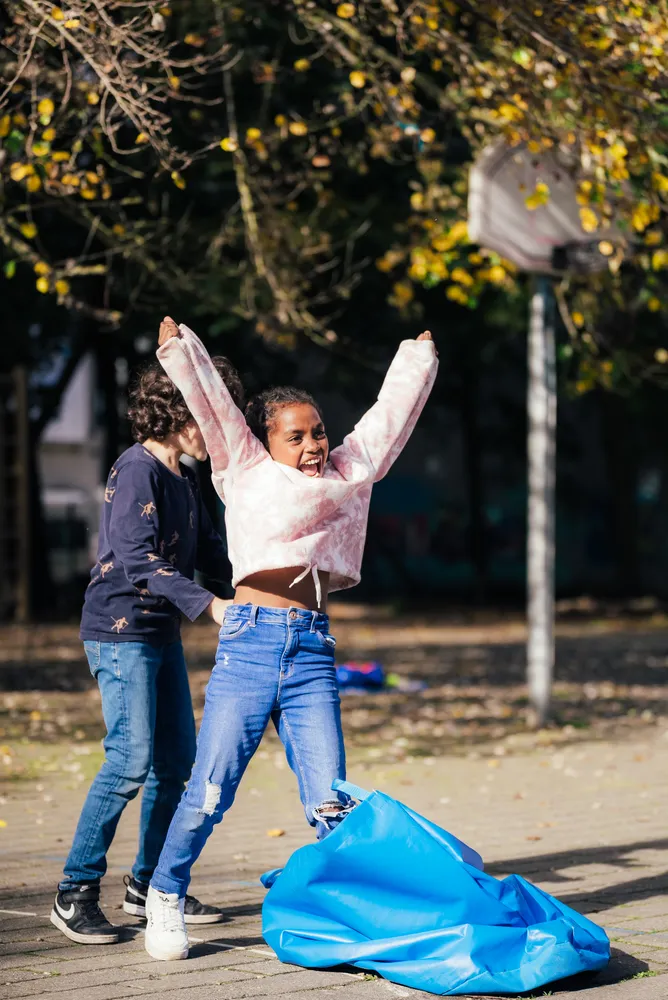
<point>360,675</point>
<point>390,892</point>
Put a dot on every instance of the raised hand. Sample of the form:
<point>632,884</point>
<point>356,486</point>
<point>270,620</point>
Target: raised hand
<point>426,336</point>
<point>168,329</point>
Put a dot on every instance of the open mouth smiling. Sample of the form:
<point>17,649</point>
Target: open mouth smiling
<point>311,466</point>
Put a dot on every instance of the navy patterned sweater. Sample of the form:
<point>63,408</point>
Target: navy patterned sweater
<point>154,533</point>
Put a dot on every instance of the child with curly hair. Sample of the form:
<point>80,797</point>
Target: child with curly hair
<point>296,519</point>
<point>154,533</point>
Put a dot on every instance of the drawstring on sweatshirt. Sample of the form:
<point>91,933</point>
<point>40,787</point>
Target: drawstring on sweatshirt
<point>313,570</point>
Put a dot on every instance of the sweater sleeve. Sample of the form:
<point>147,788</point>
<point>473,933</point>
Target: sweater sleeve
<point>134,536</point>
<point>379,437</point>
<point>228,438</point>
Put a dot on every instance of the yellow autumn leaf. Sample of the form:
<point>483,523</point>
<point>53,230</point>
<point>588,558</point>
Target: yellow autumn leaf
<point>457,294</point>
<point>253,134</point>
<point>60,156</point>
<point>229,144</point>
<point>660,182</point>
<point>496,274</point>
<point>174,82</point>
<point>357,79</point>
<point>661,355</point>
<point>194,39</point>
<point>606,248</point>
<point>93,97</point>
<point>417,200</point>
<point>408,74</point>
<point>461,276</point>
<point>106,190</point>
<point>29,230</point>
<point>178,180</point>
<point>18,171</point>
<point>345,10</point>
<point>403,292</point>
<point>41,148</point>
<point>87,192</point>
<point>280,121</point>
<point>3,824</point>
<point>42,285</point>
<point>301,65</point>
<point>5,125</point>
<point>41,267</point>
<point>62,286</point>
<point>276,832</point>
<point>117,229</point>
<point>49,134</point>
<point>46,106</point>
<point>654,304</point>
<point>72,22</point>
<point>588,220</point>
<point>510,113</point>
<point>643,215</point>
<point>141,139</point>
<point>70,180</point>
<point>57,14</point>
<point>659,259</point>
<point>33,183</point>
<point>298,128</point>
<point>427,135</point>
<point>578,319</point>
<point>92,178</point>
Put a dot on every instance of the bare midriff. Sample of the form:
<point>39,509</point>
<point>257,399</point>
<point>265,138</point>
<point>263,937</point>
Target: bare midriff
<point>271,589</point>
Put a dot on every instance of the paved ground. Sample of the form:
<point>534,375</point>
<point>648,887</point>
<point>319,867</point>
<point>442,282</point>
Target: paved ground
<point>582,812</point>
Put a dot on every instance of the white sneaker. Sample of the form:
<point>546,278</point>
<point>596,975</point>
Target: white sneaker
<point>166,935</point>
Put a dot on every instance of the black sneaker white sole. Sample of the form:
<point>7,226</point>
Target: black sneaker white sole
<point>137,910</point>
<point>61,924</point>
<point>134,904</point>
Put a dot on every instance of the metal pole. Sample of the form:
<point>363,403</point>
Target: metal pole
<point>23,511</point>
<point>542,420</point>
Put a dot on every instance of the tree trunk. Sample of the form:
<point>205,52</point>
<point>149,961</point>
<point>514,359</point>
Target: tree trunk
<point>542,414</point>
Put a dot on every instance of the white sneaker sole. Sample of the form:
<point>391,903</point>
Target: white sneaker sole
<point>137,910</point>
<point>58,922</point>
<point>164,956</point>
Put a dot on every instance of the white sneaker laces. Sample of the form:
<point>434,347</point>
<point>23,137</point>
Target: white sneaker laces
<point>168,916</point>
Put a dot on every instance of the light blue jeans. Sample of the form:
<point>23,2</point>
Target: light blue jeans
<point>272,663</point>
<point>150,741</point>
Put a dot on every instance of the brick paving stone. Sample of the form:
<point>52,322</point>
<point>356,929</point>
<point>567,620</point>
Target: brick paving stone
<point>587,822</point>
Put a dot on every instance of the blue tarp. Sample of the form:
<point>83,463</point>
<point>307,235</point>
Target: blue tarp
<point>390,892</point>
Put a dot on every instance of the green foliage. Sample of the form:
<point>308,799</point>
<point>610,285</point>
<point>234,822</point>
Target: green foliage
<point>264,153</point>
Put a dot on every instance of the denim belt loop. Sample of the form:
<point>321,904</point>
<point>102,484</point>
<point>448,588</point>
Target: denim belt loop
<point>253,615</point>
<point>314,618</point>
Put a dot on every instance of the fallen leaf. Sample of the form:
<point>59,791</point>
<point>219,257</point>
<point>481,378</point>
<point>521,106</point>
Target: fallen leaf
<point>3,822</point>
<point>532,836</point>
<point>277,832</point>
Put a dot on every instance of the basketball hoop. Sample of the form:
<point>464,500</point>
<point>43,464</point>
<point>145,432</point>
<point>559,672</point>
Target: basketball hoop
<point>547,239</point>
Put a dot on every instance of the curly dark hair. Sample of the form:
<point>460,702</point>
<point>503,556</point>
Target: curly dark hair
<point>157,408</point>
<point>262,409</point>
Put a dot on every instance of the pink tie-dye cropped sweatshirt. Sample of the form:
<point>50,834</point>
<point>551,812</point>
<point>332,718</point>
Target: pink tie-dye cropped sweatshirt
<point>277,517</point>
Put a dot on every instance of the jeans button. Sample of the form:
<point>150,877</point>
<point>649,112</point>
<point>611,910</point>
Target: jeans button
<point>293,614</point>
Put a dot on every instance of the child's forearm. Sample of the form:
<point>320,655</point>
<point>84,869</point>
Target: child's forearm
<point>226,435</point>
<point>379,437</point>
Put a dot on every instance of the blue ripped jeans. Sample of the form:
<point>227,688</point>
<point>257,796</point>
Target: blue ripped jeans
<point>271,663</point>
<point>150,742</point>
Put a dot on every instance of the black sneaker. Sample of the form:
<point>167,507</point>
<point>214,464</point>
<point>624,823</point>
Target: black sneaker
<point>194,912</point>
<point>77,914</point>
